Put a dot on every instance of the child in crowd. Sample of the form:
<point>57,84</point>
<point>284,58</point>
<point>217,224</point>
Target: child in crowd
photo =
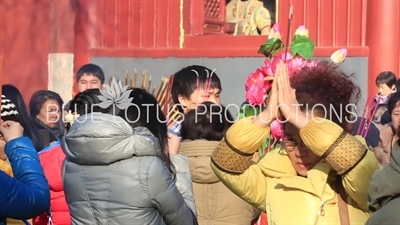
<point>193,85</point>
<point>386,82</point>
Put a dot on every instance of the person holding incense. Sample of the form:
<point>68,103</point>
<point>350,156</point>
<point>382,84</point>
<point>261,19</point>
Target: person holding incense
<point>320,173</point>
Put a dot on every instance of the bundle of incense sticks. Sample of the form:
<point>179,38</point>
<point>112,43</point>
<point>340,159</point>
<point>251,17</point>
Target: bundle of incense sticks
<point>367,117</point>
<point>134,83</point>
<point>162,93</point>
<point>163,96</point>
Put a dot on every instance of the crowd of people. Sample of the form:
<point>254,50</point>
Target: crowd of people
<point>85,162</point>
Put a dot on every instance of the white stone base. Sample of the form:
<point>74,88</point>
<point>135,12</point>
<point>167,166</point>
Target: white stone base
<point>61,74</point>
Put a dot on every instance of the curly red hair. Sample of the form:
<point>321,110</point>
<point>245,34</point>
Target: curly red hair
<point>325,85</point>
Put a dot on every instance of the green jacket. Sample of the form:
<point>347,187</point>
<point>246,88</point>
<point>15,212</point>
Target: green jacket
<point>384,192</point>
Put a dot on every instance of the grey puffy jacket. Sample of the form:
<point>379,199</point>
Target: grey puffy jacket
<point>114,174</point>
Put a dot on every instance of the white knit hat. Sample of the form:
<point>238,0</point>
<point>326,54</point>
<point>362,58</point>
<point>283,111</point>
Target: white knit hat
<point>8,109</point>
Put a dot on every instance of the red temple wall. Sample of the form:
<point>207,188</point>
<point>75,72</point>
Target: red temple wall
<point>31,33</point>
<point>24,38</point>
<point>123,29</point>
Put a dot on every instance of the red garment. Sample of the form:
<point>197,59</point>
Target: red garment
<point>262,220</point>
<point>52,160</point>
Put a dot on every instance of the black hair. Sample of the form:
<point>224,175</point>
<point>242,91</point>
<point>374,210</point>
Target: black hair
<point>149,117</point>
<point>386,118</point>
<point>91,69</point>
<point>208,121</point>
<point>86,102</point>
<point>30,129</point>
<point>39,98</point>
<point>386,77</point>
<point>393,102</point>
<point>185,81</point>
<point>142,115</point>
<point>397,85</point>
<point>379,112</point>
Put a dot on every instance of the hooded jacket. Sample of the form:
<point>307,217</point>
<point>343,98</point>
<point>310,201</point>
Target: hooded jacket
<point>114,174</point>
<point>384,192</point>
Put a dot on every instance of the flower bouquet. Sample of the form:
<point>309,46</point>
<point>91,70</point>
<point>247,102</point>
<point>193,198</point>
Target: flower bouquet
<point>259,83</point>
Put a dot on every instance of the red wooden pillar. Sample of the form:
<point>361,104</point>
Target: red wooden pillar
<point>82,28</point>
<point>382,38</point>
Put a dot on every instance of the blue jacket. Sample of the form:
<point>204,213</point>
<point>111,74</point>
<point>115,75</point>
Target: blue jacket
<point>27,194</point>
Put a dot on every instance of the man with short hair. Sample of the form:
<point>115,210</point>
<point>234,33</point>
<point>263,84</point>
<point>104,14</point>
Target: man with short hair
<point>89,76</point>
<point>189,89</point>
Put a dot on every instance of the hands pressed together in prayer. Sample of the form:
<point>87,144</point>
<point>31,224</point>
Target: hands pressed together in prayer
<point>282,102</point>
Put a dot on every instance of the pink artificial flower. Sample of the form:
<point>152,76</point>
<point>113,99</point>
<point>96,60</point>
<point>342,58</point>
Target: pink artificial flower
<point>256,96</point>
<point>294,64</point>
<point>255,79</point>
<point>267,68</point>
<point>298,62</point>
<point>275,63</point>
<point>277,130</point>
<point>275,32</point>
<point>339,56</point>
<point>302,31</point>
<point>277,59</point>
<point>257,88</point>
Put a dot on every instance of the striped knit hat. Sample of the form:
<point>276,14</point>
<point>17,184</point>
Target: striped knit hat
<point>8,110</point>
